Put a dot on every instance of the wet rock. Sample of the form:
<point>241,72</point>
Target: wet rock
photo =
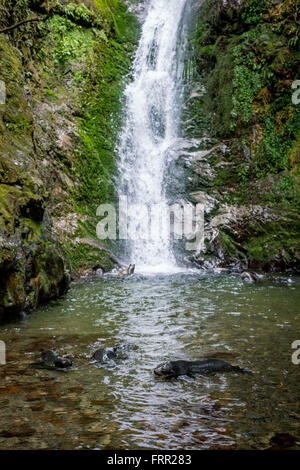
<point>283,440</point>
<point>281,280</point>
<point>18,430</point>
<point>32,270</point>
<point>37,406</point>
<point>222,270</point>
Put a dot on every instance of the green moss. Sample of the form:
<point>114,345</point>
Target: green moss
<point>69,41</point>
<point>102,110</point>
<point>246,85</point>
<point>227,244</point>
<point>218,101</point>
<point>30,228</point>
<point>84,257</point>
<point>276,240</point>
<point>248,72</point>
<point>8,200</point>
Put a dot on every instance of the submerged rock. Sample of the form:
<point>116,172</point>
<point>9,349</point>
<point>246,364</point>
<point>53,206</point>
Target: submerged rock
<point>282,440</point>
<point>18,430</point>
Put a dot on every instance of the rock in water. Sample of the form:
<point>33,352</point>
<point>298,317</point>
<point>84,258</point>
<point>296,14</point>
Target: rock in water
<point>282,440</point>
<point>50,358</point>
<point>177,368</point>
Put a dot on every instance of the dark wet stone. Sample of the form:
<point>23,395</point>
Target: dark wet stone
<point>10,389</point>
<point>37,406</point>
<point>280,440</point>
<point>19,430</point>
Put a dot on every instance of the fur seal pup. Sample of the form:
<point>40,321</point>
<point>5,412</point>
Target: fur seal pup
<point>50,358</point>
<point>127,271</point>
<point>104,354</point>
<point>131,269</point>
<point>251,277</point>
<point>112,353</point>
<point>207,366</point>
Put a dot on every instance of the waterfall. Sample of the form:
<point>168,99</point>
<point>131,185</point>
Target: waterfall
<point>146,148</point>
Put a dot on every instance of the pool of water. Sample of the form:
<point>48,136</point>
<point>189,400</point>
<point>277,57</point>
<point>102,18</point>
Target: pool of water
<point>123,405</point>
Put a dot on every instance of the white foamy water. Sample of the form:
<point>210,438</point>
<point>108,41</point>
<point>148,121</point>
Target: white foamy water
<point>153,103</point>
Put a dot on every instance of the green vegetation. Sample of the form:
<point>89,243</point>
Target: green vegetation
<point>275,241</point>
<point>249,85</point>
<point>254,11</point>
<point>84,257</point>
<point>100,58</point>
<point>247,59</point>
<point>64,79</point>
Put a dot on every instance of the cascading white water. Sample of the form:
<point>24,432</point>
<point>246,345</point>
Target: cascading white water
<point>152,116</point>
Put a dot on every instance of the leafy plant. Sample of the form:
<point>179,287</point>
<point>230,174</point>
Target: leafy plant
<point>253,11</point>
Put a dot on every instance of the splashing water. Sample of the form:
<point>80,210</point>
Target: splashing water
<point>153,103</point>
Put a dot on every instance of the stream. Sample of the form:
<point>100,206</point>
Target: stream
<point>122,405</point>
<point>166,312</point>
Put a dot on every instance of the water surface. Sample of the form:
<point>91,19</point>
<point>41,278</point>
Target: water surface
<point>122,405</point>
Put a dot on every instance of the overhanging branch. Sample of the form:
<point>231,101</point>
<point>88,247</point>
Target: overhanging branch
<point>28,20</point>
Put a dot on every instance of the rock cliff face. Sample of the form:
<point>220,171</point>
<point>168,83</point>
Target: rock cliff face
<point>62,80</point>
<point>242,121</point>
